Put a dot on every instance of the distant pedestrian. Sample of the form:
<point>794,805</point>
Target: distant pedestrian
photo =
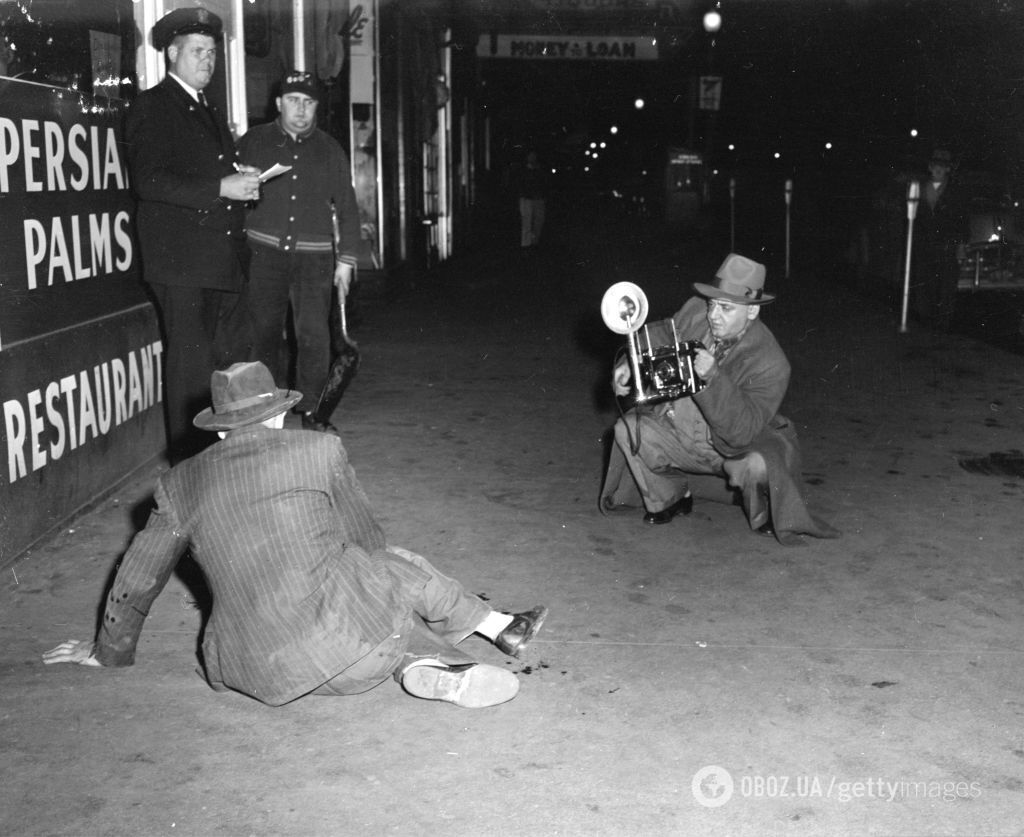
<point>531,185</point>
<point>939,230</point>
<point>295,260</point>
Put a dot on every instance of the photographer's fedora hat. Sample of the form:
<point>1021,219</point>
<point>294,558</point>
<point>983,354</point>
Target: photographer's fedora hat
<point>739,280</point>
<point>243,394</point>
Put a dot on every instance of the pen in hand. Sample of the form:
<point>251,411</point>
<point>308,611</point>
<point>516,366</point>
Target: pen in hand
<point>251,192</point>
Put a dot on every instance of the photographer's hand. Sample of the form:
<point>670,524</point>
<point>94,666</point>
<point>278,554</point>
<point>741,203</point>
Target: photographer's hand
<point>704,364</point>
<point>620,379</point>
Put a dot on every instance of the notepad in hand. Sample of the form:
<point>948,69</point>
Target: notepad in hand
<point>273,172</point>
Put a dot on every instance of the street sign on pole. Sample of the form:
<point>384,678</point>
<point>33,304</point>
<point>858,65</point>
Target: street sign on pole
<point>710,92</point>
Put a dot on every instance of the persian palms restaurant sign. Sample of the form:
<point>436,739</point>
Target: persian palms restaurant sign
<point>81,390</point>
<point>574,48</point>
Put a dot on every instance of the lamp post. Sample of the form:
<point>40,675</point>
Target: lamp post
<point>732,214</point>
<point>913,198</point>
<point>710,88</point>
<point>789,200</point>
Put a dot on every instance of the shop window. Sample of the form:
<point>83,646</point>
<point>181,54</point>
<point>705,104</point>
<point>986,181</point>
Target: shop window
<point>83,45</point>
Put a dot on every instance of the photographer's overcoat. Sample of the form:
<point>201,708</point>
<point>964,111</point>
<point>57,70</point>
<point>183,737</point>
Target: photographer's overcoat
<point>740,406</point>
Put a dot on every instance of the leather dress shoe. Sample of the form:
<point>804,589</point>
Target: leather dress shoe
<point>521,630</point>
<point>311,422</point>
<point>471,686</point>
<point>684,505</point>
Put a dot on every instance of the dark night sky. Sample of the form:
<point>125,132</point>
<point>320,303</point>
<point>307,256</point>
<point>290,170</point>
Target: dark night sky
<point>798,73</point>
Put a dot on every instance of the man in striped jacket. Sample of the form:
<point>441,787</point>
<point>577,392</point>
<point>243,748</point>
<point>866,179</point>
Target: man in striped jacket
<point>308,598</point>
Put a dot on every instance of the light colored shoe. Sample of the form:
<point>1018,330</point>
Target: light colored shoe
<point>471,686</point>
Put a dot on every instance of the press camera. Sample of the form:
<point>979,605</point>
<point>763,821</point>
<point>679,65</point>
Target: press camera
<point>662,366</point>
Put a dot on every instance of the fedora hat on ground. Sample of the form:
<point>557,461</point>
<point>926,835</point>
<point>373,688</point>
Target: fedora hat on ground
<point>243,394</point>
<point>739,280</point>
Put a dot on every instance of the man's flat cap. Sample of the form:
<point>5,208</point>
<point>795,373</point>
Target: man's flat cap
<point>186,21</point>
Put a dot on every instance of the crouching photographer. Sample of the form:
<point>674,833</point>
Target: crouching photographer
<point>728,428</point>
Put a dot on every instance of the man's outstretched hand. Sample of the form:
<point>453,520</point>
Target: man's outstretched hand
<point>73,651</point>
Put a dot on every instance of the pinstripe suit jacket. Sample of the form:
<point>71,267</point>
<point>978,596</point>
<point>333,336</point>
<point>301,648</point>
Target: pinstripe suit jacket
<point>292,554</point>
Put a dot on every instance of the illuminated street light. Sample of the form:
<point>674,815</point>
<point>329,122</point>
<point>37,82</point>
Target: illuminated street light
<point>639,104</point>
<point>712,21</point>
<point>614,129</point>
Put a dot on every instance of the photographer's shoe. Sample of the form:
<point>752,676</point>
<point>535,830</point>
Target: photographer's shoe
<point>471,686</point>
<point>521,630</point>
<point>684,505</point>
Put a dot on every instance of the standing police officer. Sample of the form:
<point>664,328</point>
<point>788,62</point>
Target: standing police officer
<point>191,196</point>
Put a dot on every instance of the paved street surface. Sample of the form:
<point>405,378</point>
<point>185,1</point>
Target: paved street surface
<point>867,685</point>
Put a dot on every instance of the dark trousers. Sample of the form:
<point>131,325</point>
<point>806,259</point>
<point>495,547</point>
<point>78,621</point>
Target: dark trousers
<point>304,281</point>
<point>201,333</point>
<point>934,282</point>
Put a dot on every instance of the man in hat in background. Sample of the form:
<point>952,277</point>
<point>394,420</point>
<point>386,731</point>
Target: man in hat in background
<point>191,196</point>
<point>731,428</point>
<point>939,230</point>
<point>307,596</point>
<point>290,231</point>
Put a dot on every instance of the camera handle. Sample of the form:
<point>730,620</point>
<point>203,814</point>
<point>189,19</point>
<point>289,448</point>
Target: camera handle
<point>634,442</point>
